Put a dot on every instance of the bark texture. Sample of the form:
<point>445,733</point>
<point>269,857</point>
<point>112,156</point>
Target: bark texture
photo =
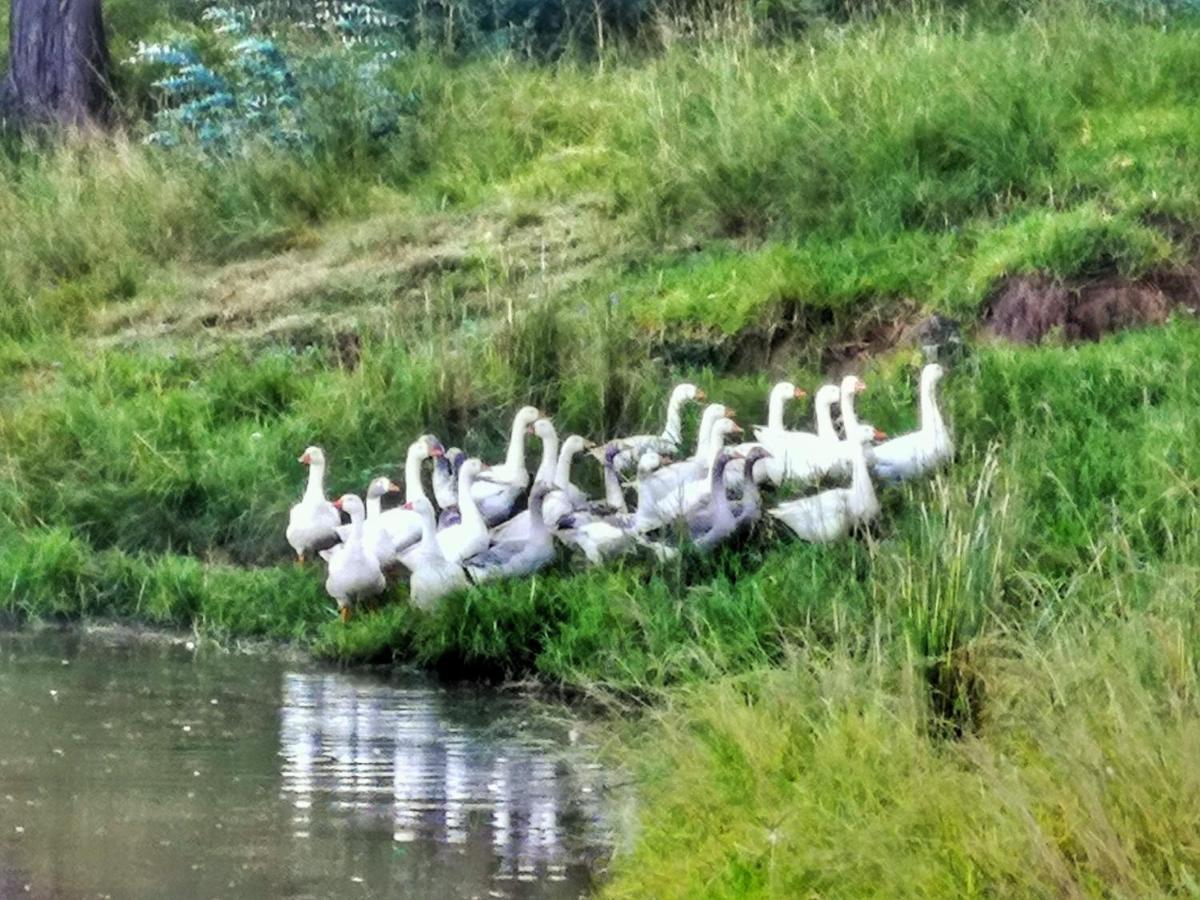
<point>58,63</point>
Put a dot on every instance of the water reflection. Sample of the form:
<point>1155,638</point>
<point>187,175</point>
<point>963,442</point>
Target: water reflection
<point>147,771</point>
<point>355,749</point>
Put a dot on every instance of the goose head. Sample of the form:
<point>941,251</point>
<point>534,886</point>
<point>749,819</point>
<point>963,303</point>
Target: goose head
<point>724,427</point>
<point>353,506</point>
<point>544,429</point>
<point>789,391</point>
<point>827,395</point>
<point>865,434</point>
<point>649,463</point>
<point>525,418</point>
<point>576,444</point>
<point>470,469</point>
<point>685,392</point>
<point>756,455</point>
<point>312,456</point>
<point>380,486</point>
<point>431,445</point>
<point>852,384</point>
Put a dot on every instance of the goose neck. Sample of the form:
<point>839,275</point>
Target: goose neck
<point>825,429</point>
<point>613,495</point>
<point>414,490</point>
<point>673,433</point>
<point>547,467</point>
<point>467,507</point>
<point>775,406</point>
<point>315,489</point>
<point>931,416</point>
<point>562,472</point>
<point>849,415</point>
<point>515,458</point>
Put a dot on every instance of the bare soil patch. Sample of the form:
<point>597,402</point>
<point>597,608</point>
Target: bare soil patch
<point>1027,308</point>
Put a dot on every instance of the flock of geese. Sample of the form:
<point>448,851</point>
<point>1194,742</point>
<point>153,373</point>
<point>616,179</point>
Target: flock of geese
<point>489,523</point>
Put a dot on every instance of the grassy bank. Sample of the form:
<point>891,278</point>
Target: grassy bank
<point>993,692</point>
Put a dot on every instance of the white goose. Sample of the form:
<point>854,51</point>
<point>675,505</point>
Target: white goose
<point>524,556</point>
<point>802,455</point>
<point>354,571</point>
<point>499,490</point>
<point>771,468</point>
<point>518,526</point>
<point>313,522</point>
<point>433,576</point>
<point>401,527</point>
<point>831,514</point>
<point>467,537</point>
<point>669,442</point>
<point>668,479</point>
<point>601,539</point>
<point>375,536</point>
<point>692,493</point>
<point>922,451</point>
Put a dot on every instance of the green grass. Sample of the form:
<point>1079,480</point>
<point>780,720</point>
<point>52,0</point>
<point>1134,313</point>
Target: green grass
<point>933,708</point>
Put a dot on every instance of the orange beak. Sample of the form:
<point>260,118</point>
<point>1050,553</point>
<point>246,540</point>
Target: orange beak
<point>344,613</point>
<point>408,505</point>
<point>700,395</point>
<point>860,386</point>
<point>801,393</point>
<point>337,504</point>
<point>730,412</point>
<point>736,429</point>
<point>437,451</point>
<point>880,435</point>
<point>392,486</point>
<point>306,459</point>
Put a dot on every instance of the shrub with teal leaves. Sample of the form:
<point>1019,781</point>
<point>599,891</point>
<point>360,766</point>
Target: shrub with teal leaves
<point>251,83</point>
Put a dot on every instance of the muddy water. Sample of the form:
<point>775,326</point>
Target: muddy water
<point>131,770</point>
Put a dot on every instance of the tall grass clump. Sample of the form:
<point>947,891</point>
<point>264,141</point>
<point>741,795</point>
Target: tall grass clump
<point>821,777</point>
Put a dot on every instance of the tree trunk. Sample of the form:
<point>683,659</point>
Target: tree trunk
<point>58,63</point>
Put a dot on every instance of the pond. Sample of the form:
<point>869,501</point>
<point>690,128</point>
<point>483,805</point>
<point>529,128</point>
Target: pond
<point>133,769</point>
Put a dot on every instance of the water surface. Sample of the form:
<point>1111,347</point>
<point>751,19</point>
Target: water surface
<point>130,770</point>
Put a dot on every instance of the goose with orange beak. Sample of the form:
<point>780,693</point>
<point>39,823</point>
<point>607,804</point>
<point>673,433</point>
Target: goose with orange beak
<point>354,570</point>
<point>668,442</point>
<point>312,523</point>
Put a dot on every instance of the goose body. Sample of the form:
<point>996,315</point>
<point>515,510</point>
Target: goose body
<point>523,556</point>
<point>771,468</point>
<point>670,478</point>
<point>747,511</point>
<point>719,522</point>
<point>804,456</point>
<point>669,441</point>
<point>924,450</point>
<point>354,570</point>
<point>461,540</point>
<point>313,522</point>
<point>399,527</point>
<point>830,515</point>
<point>519,525</point>
<point>433,575</point>
<point>374,535</point>
<point>498,493</point>
<point>693,493</point>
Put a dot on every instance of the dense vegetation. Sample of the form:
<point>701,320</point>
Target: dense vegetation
<point>993,692</point>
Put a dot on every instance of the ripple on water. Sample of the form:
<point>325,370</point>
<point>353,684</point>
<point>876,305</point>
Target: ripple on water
<point>147,771</point>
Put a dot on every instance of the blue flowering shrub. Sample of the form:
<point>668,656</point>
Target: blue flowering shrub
<point>253,73</point>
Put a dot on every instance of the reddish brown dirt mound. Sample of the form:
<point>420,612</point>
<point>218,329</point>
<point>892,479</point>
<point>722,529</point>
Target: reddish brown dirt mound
<point>1028,307</point>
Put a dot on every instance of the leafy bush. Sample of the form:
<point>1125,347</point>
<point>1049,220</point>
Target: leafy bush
<point>243,84</point>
